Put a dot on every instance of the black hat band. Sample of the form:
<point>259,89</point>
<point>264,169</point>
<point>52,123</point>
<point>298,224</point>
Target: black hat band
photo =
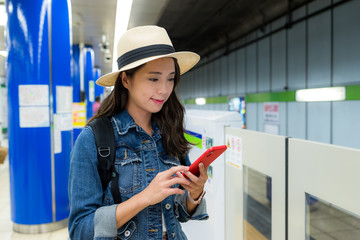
<point>143,52</point>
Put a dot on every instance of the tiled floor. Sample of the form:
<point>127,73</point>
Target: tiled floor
<point>328,222</point>
<point>325,221</point>
<point>6,232</point>
<point>257,211</point>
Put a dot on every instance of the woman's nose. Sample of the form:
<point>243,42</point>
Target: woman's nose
<point>165,87</point>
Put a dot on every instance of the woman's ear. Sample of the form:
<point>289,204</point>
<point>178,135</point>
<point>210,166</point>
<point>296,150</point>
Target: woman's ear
<point>124,80</point>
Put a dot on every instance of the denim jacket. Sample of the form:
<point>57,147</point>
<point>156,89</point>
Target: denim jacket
<point>139,157</point>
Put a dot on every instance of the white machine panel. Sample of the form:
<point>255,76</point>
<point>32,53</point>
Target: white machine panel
<point>210,127</point>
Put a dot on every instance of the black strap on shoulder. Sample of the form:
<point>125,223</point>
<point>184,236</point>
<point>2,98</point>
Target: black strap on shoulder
<point>105,143</point>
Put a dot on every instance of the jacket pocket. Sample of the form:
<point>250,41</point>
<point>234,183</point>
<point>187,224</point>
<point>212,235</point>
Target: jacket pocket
<point>128,165</point>
<point>169,161</point>
<point>126,231</point>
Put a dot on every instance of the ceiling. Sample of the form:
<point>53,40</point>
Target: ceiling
<point>91,19</point>
<point>205,25</point>
<point>201,26</point>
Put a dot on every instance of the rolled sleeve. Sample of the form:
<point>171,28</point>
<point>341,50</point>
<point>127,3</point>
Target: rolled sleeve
<point>182,214</point>
<point>105,222</point>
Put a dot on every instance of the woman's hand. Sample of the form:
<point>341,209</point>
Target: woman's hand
<point>160,186</point>
<point>158,190</point>
<point>196,186</point>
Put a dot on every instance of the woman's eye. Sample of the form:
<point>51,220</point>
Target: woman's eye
<point>171,79</point>
<point>153,79</point>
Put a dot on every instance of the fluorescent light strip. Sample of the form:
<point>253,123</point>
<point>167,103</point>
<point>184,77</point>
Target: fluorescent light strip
<point>123,9</point>
<point>200,101</point>
<point>3,15</point>
<point>321,94</point>
<point>4,53</point>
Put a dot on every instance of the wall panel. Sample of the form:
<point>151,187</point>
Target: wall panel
<point>278,61</point>
<point>296,120</point>
<point>297,56</point>
<point>318,5</point>
<point>319,51</point>
<point>224,80</point>
<point>283,118</point>
<point>206,80</point>
<point>264,65</point>
<point>319,122</point>
<point>211,86</point>
<point>346,127</point>
<point>182,86</point>
<point>346,43</point>
<point>251,68</point>
<point>232,74</point>
<point>251,116</point>
<point>218,78</point>
<point>194,82</point>
<point>260,117</point>
<point>240,72</point>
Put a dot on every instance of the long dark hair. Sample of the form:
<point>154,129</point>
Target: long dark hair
<point>170,118</point>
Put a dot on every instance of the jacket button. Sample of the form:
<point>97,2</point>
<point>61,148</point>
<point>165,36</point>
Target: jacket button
<point>167,206</point>
<point>127,233</point>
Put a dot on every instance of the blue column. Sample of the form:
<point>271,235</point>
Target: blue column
<point>75,65</point>
<point>40,123</point>
<point>99,90</point>
<point>89,82</point>
<point>76,69</point>
<point>62,85</point>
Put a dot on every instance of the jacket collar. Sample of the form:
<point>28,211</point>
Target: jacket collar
<point>123,122</point>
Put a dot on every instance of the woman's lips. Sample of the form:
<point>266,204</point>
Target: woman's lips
<point>157,101</point>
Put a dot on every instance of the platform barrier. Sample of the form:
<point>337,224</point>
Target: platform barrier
<point>284,188</point>
<point>254,185</point>
<point>323,191</point>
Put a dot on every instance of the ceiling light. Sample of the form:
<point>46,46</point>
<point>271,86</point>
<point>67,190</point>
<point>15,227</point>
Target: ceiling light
<point>321,94</point>
<point>200,101</point>
<point>4,53</point>
<point>3,15</point>
<point>123,9</point>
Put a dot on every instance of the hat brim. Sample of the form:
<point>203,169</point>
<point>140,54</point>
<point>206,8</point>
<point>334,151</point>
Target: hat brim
<point>186,61</point>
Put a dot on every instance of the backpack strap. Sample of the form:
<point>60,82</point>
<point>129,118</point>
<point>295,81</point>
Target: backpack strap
<point>105,144</point>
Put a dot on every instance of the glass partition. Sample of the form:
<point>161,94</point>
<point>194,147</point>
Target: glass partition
<point>257,205</point>
<point>327,221</point>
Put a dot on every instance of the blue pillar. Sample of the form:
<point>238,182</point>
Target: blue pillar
<point>75,65</point>
<point>40,116</point>
<point>89,82</point>
<point>76,79</point>
<point>99,90</point>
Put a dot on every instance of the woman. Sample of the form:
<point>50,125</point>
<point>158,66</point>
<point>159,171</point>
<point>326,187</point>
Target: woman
<point>151,150</point>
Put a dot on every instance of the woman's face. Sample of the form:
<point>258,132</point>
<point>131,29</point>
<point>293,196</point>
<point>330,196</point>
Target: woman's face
<point>150,87</point>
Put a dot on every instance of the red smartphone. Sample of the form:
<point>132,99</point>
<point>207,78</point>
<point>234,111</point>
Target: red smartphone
<point>207,158</point>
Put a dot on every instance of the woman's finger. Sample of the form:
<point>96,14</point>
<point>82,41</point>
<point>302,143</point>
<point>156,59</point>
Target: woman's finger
<point>173,191</point>
<point>178,180</point>
<point>203,170</point>
<point>187,188</point>
<point>168,173</point>
<point>191,176</point>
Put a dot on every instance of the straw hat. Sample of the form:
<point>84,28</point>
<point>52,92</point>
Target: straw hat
<point>143,44</point>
